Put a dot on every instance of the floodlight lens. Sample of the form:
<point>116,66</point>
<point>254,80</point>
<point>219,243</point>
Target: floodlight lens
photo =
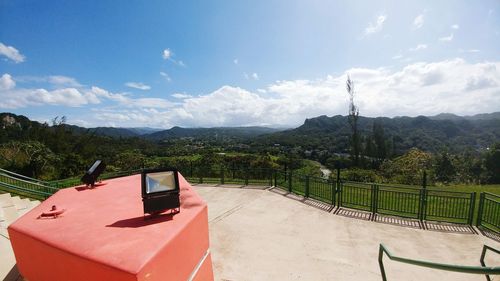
<point>94,166</point>
<point>160,181</point>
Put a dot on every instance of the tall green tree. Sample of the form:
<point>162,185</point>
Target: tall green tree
<point>444,169</point>
<point>380,140</point>
<point>353,122</point>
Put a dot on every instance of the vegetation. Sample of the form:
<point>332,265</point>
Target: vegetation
<point>60,151</point>
<point>353,122</point>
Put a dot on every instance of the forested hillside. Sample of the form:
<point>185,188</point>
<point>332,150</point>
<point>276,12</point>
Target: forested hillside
<point>451,148</point>
<point>430,134</point>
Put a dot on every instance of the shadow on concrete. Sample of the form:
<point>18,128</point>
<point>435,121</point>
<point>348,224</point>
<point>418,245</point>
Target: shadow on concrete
<point>449,227</point>
<point>142,221</point>
<point>490,234</point>
<point>13,275</point>
<point>308,201</point>
<point>230,185</point>
<point>318,204</point>
<point>368,216</point>
<point>406,222</point>
<point>278,191</point>
<point>350,213</point>
<point>261,187</point>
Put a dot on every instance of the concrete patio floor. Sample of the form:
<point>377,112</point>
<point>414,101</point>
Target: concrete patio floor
<point>258,234</point>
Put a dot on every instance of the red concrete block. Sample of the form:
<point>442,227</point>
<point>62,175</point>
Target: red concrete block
<point>102,235</point>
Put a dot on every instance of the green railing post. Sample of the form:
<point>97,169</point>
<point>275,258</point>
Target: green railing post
<point>306,187</point>
<point>340,193</point>
<point>424,201</point>
<point>246,177</point>
<point>374,203</point>
<point>381,263</point>
<point>480,210</point>
<point>472,205</point>
<point>333,187</point>
<point>221,174</point>
<point>290,182</point>
<point>421,204</point>
<point>275,174</point>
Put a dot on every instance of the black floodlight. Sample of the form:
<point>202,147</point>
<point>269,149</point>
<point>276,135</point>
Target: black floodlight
<point>160,191</point>
<point>90,177</point>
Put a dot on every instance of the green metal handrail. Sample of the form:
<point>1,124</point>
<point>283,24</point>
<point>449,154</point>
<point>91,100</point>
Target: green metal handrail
<point>441,266</point>
<point>16,175</point>
<point>29,193</point>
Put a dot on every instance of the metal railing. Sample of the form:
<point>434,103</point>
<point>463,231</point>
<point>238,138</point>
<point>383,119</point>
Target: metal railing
<point>19,176</point>
<point>412,202</point>
<point>396,200</point>
<point>489,212</point>
<point>24,187</point>
<point>484,270</point>
<point>422,204</point>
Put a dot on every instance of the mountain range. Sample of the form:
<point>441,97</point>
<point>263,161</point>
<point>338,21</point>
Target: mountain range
<point>428,133</point>
<point>433,133</point>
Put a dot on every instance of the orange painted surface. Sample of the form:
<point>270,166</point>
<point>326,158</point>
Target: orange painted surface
<point>102,235</point>
<point>205,272</point>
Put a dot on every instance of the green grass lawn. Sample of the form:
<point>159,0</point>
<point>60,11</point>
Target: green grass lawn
<point>491,188</point>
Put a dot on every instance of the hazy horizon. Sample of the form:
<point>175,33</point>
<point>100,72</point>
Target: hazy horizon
<point>190,64</point>
<point>283,127</point>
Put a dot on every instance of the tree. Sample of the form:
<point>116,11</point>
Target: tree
<point>492,163</point>
<point>444,169</point>
<point>380,141</point>
<point>408,168</point>
<point>353,122</point>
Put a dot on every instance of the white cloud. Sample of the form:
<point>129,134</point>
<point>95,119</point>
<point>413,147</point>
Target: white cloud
<point>397,57</point>
<point>469,51</point>
<point>166,54</point>
<point>420,88</point>
<point>418,22</point>
<point>377,26</point>
<point>235,61</point>
<point>11,53</point>
<point>150,103</point>
<point>446,38</point>
<point>455,26</point>
<point>138,85</point>
<point>181,96</point>
<point>6,82</point>
<point>13,97</point>
<point>63,81</point>
<point>166,76</point>
<point>253,76</point>
<point>453,86</point>
<point>418,47</point>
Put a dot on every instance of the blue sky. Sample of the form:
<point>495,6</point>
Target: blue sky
<point>231,63</point>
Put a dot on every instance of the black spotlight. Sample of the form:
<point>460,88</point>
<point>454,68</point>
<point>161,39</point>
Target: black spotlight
<point>160,191</point>
<point>90,177</point>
